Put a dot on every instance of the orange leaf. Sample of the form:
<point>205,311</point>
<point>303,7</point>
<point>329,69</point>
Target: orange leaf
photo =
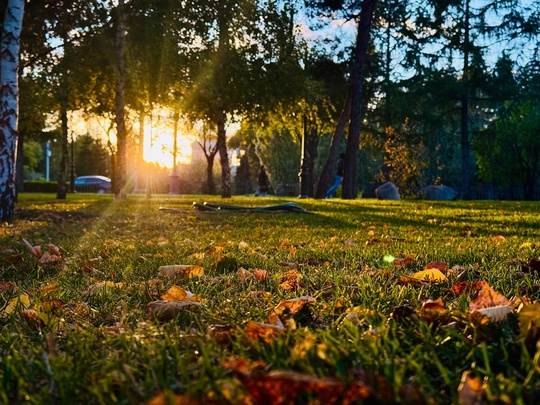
<point>470,389</point>
<point>260,275</point>
<point>487,298</point>
<point>264,331</point>
<point>284,387</point>
<point>292,307</point>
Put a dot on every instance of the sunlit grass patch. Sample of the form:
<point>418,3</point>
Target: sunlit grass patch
<point>367,273</point>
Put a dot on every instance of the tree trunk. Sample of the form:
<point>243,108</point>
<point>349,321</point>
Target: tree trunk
<point>140,186</point>
<point>222,149</point>
<point>61,192</point>
<point>9,107</point>
<point>327,175</point>
<point>350,188</point>
<point>121,148</point>
<point>312,144</point>
<point>465,142</point>
<point>19,165</point>
<point>210,185</point>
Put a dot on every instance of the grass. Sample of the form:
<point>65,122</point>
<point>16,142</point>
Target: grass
<point>100,345</point>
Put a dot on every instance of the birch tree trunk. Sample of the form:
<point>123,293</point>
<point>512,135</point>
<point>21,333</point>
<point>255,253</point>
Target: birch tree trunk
<point>9,105</point>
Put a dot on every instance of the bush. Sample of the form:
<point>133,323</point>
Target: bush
<point>36,186</point>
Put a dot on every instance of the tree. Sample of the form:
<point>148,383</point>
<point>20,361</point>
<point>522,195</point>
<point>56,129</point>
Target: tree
<point>12,19</point>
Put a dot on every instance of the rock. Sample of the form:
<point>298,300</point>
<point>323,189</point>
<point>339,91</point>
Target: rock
<point>387,191</point>
<point>442,193</point>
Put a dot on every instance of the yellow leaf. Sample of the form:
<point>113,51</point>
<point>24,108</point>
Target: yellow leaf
<point>175,293</point>
<point>178,270</point>
<point>529,319</point>
<point>470,389</point>
<point>49,289</point>
<point>434,275</point>
<point>22,301</point>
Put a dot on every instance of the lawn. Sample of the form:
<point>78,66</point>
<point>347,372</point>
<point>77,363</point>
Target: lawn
<point>365,301</point>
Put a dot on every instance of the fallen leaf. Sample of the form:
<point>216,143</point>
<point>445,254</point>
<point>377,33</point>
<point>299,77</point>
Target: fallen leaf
<point>7,286</point>
<point>431,275</point>
<point>495,314</point>
<point>470,389</point>
<point>349,243</point>
<point>487,298</point>
<point>466,287</point>
<point>264,331</point>
<point>102,286</point>
<point>260,275</point>
<point>291,307</point>
<point>169,310</point>
<point>32,249</point>
<point>529,320</point>
<point>180,270</point>
<point>284,387</point>
<point>176,293</point>
<point>20,302</point>
<point>442,266</point>
<point>244,275</point>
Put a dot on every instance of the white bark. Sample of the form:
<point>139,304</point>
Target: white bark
<point>9,104</point>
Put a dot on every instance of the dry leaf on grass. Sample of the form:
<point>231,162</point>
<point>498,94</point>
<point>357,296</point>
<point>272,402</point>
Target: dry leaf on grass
<point>290,307</point>
<point>176,293</point>
<point>264,331</point>
<point>529,320</point>
<point>431,275</point>
<point>169,310</point>
<point>488,298</point>
<point>284,387</point>
<point>470,389</point>
<point>174,271</point>
<point>491,303</point>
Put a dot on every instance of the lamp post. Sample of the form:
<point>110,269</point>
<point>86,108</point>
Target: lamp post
<point>303,174</point>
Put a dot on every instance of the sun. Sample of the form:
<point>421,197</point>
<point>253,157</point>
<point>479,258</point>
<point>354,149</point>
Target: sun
<point>158,146</point>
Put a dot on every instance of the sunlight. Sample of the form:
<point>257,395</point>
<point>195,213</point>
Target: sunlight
<point>158,146</point>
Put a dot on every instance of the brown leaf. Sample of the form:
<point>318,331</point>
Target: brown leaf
<point>470,389</point>
<point>466,287</point>
<point>260,275</point>
<point>220,333</point>
<point>244,275</point>
<point>291,307</point>
<point>487,298</point>
<point>264,331</point>
<point>442,266</point>
<point>167,311</point>
<point>7,286</point>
